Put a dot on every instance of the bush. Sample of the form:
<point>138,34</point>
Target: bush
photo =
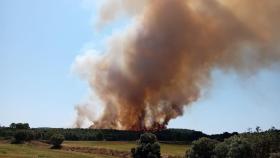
<point>56,140</point>
<point>202,148</point>
<point>239,148</point>
<point>261,145</point>
<point>221,150</point>
<point>148,147</point>
<point>29,135</point>
<point>257,145</point>
<point>99,136</point>
<point>20,137</point>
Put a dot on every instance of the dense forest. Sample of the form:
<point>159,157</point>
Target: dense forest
<point>174,135</point>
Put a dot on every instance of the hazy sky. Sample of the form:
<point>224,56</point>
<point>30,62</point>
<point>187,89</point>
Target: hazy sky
<point>39,41</point>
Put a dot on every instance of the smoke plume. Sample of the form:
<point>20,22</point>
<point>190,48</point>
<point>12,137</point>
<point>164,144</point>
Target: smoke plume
<point>160,64</point>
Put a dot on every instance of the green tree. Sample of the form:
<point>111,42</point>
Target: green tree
<point>148,147</point>
<point>239,148</point>
<point>56,140</point>
<point>202,148</point>
<point>19,125</point>
<point>29,135</point>
<point>19,137</point>
<point>12,125</point>
<point>264,143</point>
<point>99,135</point>
<point>221,149</point>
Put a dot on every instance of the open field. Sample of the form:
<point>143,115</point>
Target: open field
<point>41,150</point>
<point>166,149</point>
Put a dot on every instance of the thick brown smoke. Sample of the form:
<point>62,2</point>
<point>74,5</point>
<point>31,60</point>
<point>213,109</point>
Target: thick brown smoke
<point>160,64</point>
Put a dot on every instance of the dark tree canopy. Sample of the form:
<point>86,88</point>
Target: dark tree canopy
<point>179,135</point>
<point>20,137</point>
<point>148,147</point>
<point>19,125</point>
<point>56,140</point>
<point>239,148</point>
<point>202,148</point>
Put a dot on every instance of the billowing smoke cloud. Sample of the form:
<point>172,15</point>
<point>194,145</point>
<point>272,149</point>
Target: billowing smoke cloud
<point>161,63</point>
<point>112,9</point>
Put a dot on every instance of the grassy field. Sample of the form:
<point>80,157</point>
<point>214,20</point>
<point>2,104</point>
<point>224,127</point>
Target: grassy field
<point>38,151</point>
<point>167,149</point>
<point>41,150</point>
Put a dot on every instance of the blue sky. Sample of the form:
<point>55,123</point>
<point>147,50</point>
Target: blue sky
<point>39,41</point>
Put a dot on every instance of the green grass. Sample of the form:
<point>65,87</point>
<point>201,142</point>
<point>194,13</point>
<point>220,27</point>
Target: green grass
<point>44,151</point>
<point>167,149</point>
<point>33,151</point>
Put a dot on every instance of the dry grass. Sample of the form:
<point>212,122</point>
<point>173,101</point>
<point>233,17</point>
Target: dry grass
<point>38,150</point>
<point>80,149</point>
<point>166,149</point>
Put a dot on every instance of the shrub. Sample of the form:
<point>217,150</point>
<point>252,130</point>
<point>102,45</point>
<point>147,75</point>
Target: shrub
<point>261,145</point>
<point>99,136</point>
<point>148,147</point>
<point>56,140</point>
<point>202,148</point>
<point>19,137</point>
<point>234,147</point>
<point>257,145</point>
<point>273,135</point>
<point>221,150</point>
<point>29,135</point>
<point>239,148</point>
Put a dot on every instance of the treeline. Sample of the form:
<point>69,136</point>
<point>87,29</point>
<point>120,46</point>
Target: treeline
<point>19,126</point>
<point>76,134</point>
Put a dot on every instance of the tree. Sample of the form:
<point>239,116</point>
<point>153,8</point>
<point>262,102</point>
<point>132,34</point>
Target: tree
<point>99,135</point>
<point>20,137</point>
<point>262,144</point>
<point>26,126</point>
<point>148,147</point>
<point>249,130</point>
<point>56,140</point>
<point>29,135</point>
<point>239,148</point>
<point>202,148</point>
<point>19,125</point>
<point>12,125</point>
<point>221,150</point>
<point>258,129</point>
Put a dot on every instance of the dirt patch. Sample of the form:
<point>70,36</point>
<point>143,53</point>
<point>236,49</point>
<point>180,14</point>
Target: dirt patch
<point>38,143</point>
<point>107,152</point>
<point>100,151</point>
<point>5,141</point>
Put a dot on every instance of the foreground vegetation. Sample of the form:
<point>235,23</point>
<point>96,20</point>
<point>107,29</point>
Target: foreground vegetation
<point>246,145</point>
